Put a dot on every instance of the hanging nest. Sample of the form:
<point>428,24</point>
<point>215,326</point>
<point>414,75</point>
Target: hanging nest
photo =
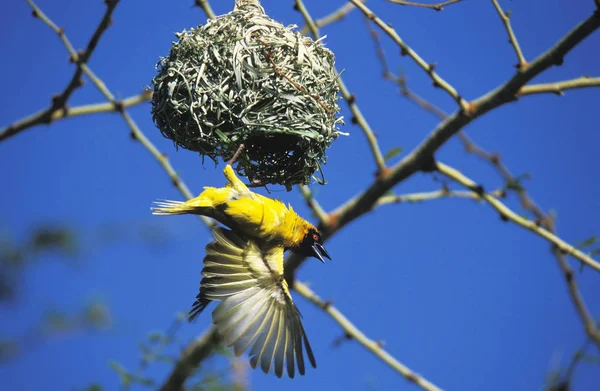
<point>245,78</point>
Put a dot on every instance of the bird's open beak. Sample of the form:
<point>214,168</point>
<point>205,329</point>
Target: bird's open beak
<point>319,252</point>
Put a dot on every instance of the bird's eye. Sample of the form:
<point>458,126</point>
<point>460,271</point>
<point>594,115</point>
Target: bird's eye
<point>316,237</point>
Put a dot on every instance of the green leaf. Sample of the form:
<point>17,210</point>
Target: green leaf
<point>392,153</point>
<point>595,251</point>
<point>587,242</point>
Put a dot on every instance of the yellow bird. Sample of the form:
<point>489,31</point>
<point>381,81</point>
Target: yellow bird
<point>251,214</point>
<point>256,310</point>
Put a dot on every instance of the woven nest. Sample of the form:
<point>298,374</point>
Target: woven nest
<point>245,78</point>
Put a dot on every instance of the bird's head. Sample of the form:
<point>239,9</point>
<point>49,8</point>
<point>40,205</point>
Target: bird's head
<point>312,245</point>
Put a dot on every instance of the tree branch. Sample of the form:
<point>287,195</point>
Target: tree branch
<point>505,16</point>
<point>374,347</point>
<point>437,7</point>
<point>357,117</point>
<point>589,324</point>
<point>559,87</point>
<point>421,157</point>
<point>433,195</point>
<point>205,6</point>
<point>508,214</point>
<point>336,15</point>
<point>406,50</point>
<point>190,359</point>
<point>59,101</point>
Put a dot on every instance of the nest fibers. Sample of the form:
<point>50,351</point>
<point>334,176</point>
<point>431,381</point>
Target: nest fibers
<point>245,78</point>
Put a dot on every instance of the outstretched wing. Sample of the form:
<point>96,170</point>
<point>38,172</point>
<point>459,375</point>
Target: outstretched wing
<point>256,310</point>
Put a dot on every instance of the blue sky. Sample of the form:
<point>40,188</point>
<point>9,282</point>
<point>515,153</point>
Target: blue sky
<point>456,294</point>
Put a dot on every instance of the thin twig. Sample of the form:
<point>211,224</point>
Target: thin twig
<point>433,195</point>
<point>373,346</point>
<point>59,101</point>
<point>527,203</point>
<point>589,324</point>
<point>437,7</point>
<point>336,15</point>
<point>136,132</point>
<point>421,157</point>
<point>205,6</point>
<point>62,113</point>
<point>314,205</point>
<point>505,16</point>
<point>191,357</point>
<point>406,50</point>
<point>357,117</point>
<point>559,87</point>
<point>507,214</point>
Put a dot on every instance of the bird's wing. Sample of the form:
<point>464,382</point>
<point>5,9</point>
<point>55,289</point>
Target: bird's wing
<point>256,309</point>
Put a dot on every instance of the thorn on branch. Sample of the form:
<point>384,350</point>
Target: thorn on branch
<point>295,7</point>
<point>133,136</point>
<point>352,99</point>
<point>176,181</point>
<point>119,107</point>
<point>503,217</point>
<point>383,173</point>
<point>569,275</point>
<point>478,189</point>
<point>35,14</point>
<point>61,31</point>
<point>57,101</point>
<point>495,158</point>
<point>147,93</point>
<point>338,341</point>
<point>411,377</point>
<point>371,16</point>
<point>403,52</point>
<point>470,109</point>
<point>332,221</point>
<point>354,120</point>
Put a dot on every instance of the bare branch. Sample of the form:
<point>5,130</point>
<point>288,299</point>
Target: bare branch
<point>314,205</point>
<point>357,117</point>
<point>437,7</point>
<point>421,157</point>
<point>59,101</point>
<point>373,346</point>
<point>336,15</point>
<point>508,214</point>
<point>559,87</point>
<point>136,133</point>
<point>433,195</point>
<point>205,5</point>
<point>505,16</point>
<point>190,359</point>
<point>406,50</point>
<point>62,113</point>
<point>588,321</point>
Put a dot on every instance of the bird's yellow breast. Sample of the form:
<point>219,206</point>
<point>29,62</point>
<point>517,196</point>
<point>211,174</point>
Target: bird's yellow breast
<point>265,218</point>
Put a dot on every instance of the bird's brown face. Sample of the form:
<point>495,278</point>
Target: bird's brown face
<point>312,246</point>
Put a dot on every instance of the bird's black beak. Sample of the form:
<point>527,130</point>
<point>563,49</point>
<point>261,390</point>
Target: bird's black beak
<point>319,252</point>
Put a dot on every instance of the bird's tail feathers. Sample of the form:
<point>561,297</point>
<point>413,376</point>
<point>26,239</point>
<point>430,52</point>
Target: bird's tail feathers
<point>170,207</point>
<point>197,308</point>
